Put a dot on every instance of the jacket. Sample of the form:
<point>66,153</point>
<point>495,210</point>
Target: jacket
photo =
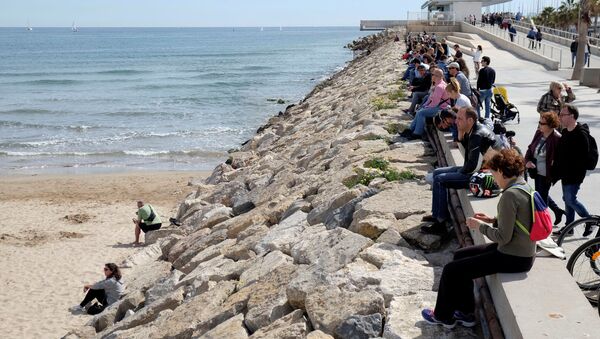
<point>571,154</point>
<point>514,204</point>
<point>486,78</point>
<point>465,85</point>
<point>551,144</point>
<point>548,103</point>
<point>422,84</point>
<point>476,143</point>
<point>439,96</point>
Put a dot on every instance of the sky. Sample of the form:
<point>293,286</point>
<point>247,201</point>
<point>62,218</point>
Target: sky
<point>200,13</point>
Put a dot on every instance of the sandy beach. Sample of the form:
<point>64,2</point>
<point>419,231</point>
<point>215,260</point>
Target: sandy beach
<point>57,232</point>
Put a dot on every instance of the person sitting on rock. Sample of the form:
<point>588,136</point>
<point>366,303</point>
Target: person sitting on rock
<point>437,100</point>
<point>147,220</point>
<point>476,139</point>
<point>106,291</point>
<point>512,251</point>
<point>420,88</point>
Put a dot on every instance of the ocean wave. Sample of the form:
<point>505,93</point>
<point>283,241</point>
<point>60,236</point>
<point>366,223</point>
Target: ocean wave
<point>136,153</point>
<point>28,111</point>
<point>41,74</point>
<point>80,128</point>
<point>48,82</point>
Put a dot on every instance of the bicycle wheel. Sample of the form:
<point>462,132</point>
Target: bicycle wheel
<point>570,242</point>
<point>584,266</point>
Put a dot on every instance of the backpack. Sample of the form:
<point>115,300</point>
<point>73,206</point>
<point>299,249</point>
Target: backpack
<point>592,155</point>
<point>542,222</point>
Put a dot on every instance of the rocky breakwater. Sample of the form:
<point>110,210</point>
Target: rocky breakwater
<point>310,230</point>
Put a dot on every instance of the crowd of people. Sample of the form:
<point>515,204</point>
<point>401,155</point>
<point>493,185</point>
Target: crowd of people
<point>559,151</point>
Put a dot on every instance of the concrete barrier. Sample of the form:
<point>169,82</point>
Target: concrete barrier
<point>590,77</point>
<point>507,45</point>
<point>545,302</point>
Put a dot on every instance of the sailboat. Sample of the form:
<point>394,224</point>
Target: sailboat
<point>262,29</point>
<point>29,26</point>
<point>74,28</point>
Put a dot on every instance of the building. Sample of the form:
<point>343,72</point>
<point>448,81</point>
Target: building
<point>458,9</point>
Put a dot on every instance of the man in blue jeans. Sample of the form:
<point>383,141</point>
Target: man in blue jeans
<point>570,162</point>
<point>476,139</point>
<point>485,82</point>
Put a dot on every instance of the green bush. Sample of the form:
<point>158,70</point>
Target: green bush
<point>396,95</point>
<point>363,178</point>
<point>392,128</point>
<point>380,103</point>
<point>393,175</point>
<point>378,163</point>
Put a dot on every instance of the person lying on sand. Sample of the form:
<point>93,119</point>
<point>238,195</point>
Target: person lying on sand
<point>147,220</point>
<point>105,291</point>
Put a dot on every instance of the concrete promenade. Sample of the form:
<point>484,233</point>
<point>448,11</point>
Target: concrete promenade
<point>526,82</point>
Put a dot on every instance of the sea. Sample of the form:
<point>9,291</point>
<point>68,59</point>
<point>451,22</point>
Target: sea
<point>124,99</point>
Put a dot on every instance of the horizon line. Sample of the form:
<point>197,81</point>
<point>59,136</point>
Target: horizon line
<point>293,26</point>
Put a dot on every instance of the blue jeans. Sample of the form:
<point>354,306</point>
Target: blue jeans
<point>486,97</point>
<point>444,178</point>
<point>417,99</point>
<point>410,70</point>
<point>572,205</point>
<point>418,123</point>
<point>573,56</point>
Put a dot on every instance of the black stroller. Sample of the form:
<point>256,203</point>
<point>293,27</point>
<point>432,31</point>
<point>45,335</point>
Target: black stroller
<point>501,108</point>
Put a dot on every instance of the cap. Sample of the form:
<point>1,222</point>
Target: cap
<point>454,65</point>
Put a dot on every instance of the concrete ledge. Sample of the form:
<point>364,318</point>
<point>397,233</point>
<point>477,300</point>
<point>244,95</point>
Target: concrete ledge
<point>463,35</point>
<point>416,27</point>
<point>462,41</point>
<point>507,45</point>
<point>590,77</point>
<point>542,303</point>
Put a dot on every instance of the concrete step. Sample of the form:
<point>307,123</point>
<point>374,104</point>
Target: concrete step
<point>461,41</point>
<point>463,35</point>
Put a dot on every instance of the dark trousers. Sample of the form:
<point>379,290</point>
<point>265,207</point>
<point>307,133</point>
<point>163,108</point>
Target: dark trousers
<point>456,284</point>
<point>542,185</point>
<point>99,295</point>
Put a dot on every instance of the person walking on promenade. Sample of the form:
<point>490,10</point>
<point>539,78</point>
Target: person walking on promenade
<point>477,59</point>
<point>106,291</point>
<point>540,156</point>
<point>437,100</point>
<point>586,55</point>
<point>511,251</point>
<point>553,101</point>
<point>574,46</point>
<point>531,36</point>
<point>476,140</point>
<point>538,39</point>
<point>512,32</point>
<point>570,162</point>
<point>146,221</point>
<point>485,81</point>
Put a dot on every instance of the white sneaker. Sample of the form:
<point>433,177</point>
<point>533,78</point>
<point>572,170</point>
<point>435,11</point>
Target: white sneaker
<point>77,309</point>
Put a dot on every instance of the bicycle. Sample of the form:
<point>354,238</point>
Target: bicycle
<point>584,266</point>
<point>571,237</point>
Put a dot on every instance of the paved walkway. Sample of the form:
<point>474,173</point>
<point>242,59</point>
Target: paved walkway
<point>526,82</point>
<point>549,49</point>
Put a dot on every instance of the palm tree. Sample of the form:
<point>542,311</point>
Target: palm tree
<point>584,16</point>
<point>568,4</point>
<point>545,18</point>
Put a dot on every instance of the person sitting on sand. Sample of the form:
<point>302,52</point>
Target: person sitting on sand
<point>106,291</point>
<point>147,220</point>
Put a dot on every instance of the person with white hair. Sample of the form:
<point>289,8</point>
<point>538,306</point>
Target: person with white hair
<point>147,220</point>
<point>553,100</point>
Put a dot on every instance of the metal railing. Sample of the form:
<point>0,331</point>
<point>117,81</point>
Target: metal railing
<point>431,18</point>
<point>594,41</point>
<point>544,49</point>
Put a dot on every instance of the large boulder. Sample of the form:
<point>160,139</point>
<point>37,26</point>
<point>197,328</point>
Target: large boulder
<point>263,266</point>
<point>293,325</point>
<point>361,327</point>
<point>330,307</point>
<point>329,249</point>
<point>284,235</point>
<point>232,328</point>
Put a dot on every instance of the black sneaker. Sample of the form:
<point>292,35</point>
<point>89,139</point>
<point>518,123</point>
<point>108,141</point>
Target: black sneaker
<point>588,229</point>
<point>437,228</point>
<point>429,218</point>
<point>406,133</point>
<point>559,232</point>
<point>413,136</point>
<point>467,320</point>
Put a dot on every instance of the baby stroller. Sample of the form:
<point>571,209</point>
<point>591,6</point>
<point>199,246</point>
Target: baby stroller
<point>501,108</point>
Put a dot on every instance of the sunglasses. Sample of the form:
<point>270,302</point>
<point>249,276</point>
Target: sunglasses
<point>542,123</point>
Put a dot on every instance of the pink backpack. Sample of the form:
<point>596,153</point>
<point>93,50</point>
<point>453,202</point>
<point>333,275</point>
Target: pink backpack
<point>542,221</point>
